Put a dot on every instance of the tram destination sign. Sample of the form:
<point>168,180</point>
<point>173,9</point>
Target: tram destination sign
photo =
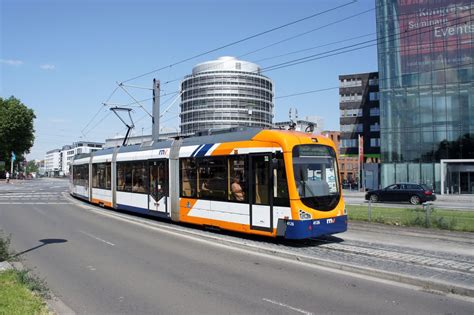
<point>313,150</point>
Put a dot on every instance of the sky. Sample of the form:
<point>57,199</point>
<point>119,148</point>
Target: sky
<point>64,59</point>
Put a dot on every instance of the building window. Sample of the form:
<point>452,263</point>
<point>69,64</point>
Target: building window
<point>349,143</point>
<point>375,111</point>
<point>357,112</point>
<point>375,142</point>
<point>352,128</point>
<point>374,96</point>
<point>374,82</point>
<point>350,82</point>
<point>375,127</point>
<point>353,97</point>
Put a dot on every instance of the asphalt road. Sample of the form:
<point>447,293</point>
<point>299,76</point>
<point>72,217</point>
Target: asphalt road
<point>100,264</point>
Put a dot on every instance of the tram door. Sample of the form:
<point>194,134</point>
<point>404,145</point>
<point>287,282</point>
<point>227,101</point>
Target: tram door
<point>260,192</point>
<point>158,194</point>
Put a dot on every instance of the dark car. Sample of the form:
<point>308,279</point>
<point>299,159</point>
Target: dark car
<point>413,193</point>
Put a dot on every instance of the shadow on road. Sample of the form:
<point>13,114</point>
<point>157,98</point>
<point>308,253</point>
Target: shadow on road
<point>44,242</point>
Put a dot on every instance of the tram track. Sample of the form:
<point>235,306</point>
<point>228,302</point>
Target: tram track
<point>402,254</point>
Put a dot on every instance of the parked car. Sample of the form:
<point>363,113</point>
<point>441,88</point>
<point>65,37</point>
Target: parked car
<point>413,193</point>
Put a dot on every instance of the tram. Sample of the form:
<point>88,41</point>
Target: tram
<point>275,183</point>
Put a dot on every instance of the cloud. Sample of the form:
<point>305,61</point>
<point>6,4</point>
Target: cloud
<point>48,67</point>
<point>11,62</point>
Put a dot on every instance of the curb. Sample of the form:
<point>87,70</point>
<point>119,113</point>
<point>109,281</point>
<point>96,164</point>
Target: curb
<point>426,284</point>
<point>4,266</point>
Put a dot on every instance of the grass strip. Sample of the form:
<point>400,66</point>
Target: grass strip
<point>16,296</point>
<point>445,219</point>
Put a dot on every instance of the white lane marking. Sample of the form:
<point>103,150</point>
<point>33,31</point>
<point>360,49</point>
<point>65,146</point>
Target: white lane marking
<point>289,307</point>
<point>91,268</point>
<point>97,238</point>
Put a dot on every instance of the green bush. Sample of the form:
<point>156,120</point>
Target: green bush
<point>5,253</point>
<point>33,283</point>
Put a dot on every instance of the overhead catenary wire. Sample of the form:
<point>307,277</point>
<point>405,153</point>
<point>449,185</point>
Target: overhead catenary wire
<point>348,48</point>
<point>331,88</point>
<point>337,52</point>
<point>326,54</point>
<point>379,79</point>
<point>307,32</point>
<point>284,65</point>
<point>314,47</point>
<point>242,40</point>
<point>97,113</point>
<point>266,32</point>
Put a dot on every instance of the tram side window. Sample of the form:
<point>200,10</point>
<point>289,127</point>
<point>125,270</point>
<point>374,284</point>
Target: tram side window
<point>139,177</point>
<point>81,175</point>
<point>280,191</point>
<point>188,178</point>
<point>101,175</point>
<point>237,181</point>
<point>124,177</point>
<point>212,178</point>
<point>131,177</point>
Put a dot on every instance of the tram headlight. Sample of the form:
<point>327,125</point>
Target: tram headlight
<point>305,215</point>
<point>345,210</point>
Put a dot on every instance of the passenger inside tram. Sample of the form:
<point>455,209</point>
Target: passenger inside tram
<point>236,189</point>
<point>139,187</point>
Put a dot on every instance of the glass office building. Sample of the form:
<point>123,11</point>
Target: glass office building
<point>426,81</point>
<point>225,93</point>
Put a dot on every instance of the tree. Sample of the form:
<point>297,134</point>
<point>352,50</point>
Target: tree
<point>31,167</point>
<point>16,129</point>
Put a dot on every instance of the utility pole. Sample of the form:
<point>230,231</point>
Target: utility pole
<point>156,110</point>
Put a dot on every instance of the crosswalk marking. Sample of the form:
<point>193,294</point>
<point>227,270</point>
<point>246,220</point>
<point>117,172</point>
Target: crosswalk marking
<point>32,197</point>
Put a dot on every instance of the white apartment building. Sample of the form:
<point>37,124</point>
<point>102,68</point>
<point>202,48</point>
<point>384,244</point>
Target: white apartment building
<point>69,151</point>
<point>52,162</point>
<point>57,161</point>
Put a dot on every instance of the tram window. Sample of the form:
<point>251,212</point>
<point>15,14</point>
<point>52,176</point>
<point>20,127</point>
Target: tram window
<point>261,174</point>
<point>101,175</point>
<point>237,181</point>
<point>81,175</point>
<point>212,178</point>
<point>188,173</point>
<point>159,178</point>
<point>139,177</point>
<point>124,177</point>
<point>280,191</point>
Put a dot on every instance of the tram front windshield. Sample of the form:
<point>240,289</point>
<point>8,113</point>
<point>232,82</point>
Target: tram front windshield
<point>315,171</point>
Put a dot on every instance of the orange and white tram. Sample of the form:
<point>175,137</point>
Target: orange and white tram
<point>266,182</point>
